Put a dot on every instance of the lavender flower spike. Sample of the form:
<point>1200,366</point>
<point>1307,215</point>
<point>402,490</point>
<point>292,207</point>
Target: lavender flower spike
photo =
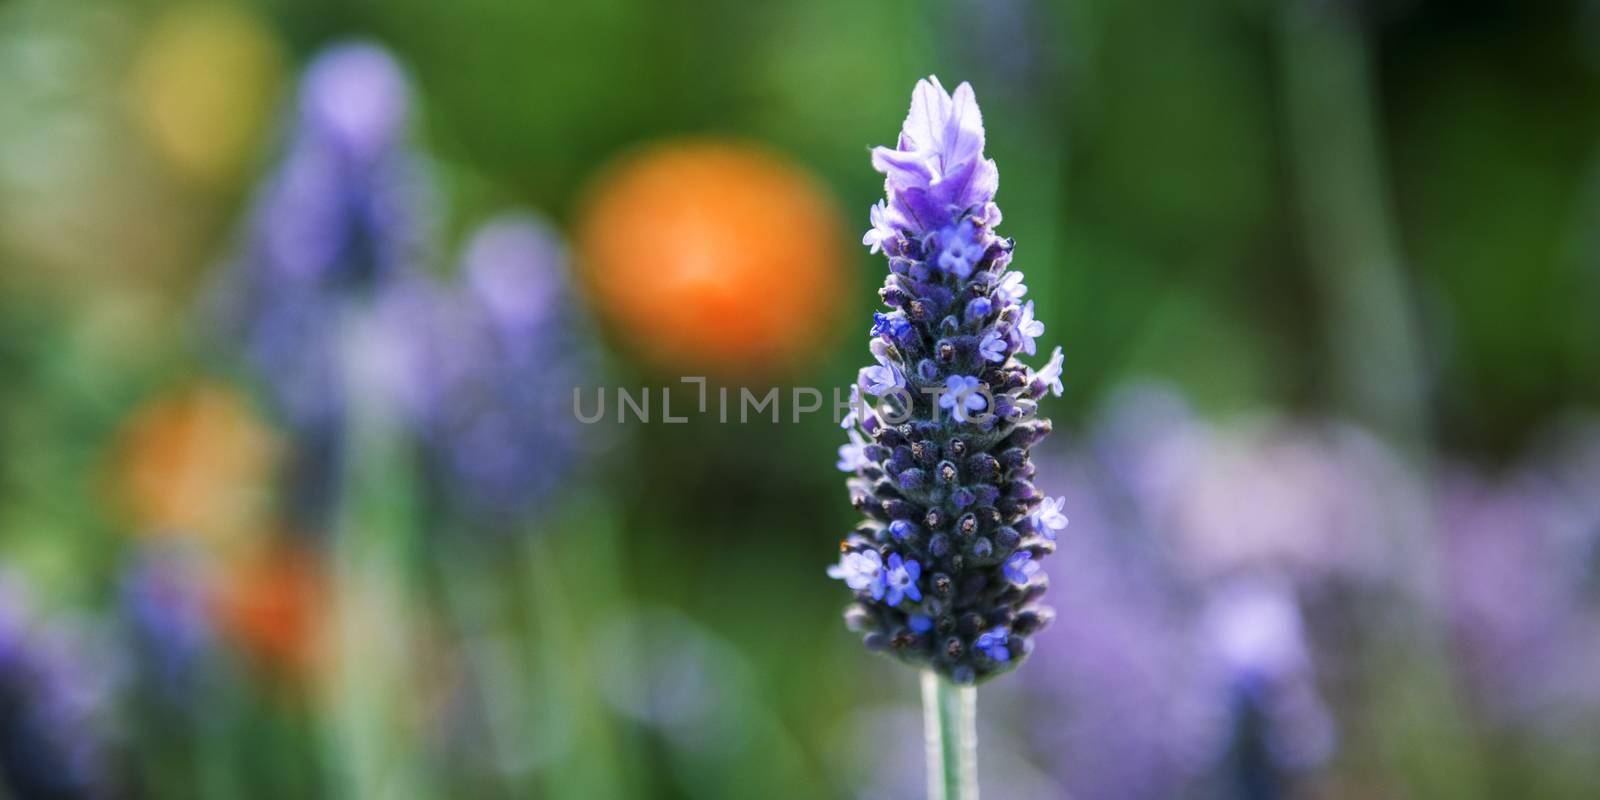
<point>943,473</point>
<point>503,354</point>
<point>341,228</point>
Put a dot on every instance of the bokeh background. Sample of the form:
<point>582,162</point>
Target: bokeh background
<point>293,296</point>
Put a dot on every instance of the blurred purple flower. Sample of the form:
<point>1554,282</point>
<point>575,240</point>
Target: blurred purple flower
<point>501,360</point>
<point>1520,559</point>
<point>1321,502</point>
<point>1201,546</point>
<point>1252,631</point>
<point>1117,705</point>
<point>355,97</point>
<point>343,217</point>
<point>337,251</point>
<point>55,691</point>
<point>170,624</point>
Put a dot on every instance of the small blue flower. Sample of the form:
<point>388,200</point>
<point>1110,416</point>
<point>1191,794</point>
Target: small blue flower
<point>880,380</point>
<point>1011,288</point>
<point>962,397</point>
<point>992,643</point>
<point>900,529</point>
<point>862,571</point>
<point>993,347</point>
<point>1020,567</point>
<point>902,580</point>
<point>857,406</point>
<point>1051,374</point>
<point>894,325</point>
<point>880,323</point>
<point>920,623</point>
<point>886,226</point>
<point>852,456</point>
<point>1047,518</point>
<point>1028,329</point>
<point>959,249</point>
<point>885,377</point>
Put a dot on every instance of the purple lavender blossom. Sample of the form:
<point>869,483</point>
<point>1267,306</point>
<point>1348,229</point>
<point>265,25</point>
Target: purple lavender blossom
<point>946,489</point>
<point>937,174</point>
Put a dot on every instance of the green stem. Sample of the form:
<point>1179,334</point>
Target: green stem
<point>471,587</point>
<point>592,762</point>
<point>1375,337</point>
<point>1355,251</point>
<point>950,719</point>
<point>372,735</point>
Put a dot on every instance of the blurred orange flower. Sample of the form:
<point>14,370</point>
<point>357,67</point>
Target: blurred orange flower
<point>713,255</point>
<point>195,462</point>
<point>272,603</point>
